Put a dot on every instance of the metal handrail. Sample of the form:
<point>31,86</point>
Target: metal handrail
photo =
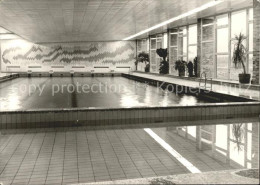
<point>130,71</point>
<point>205,81</point>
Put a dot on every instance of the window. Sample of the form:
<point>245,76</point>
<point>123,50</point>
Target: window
<point>142,45</point>
<point>192,45</point>
<point>222,49</point>
<point>156,43</point>
<point>192,53</point>
<point>182,43</point>
<point>153,43</point>
<point>251,34</point>
<point>173,39</point>
<point>193,34</point>
<point>222,66</point>
<point>159,43</point>
<point>238,23</point>
<point>227,27</point>
<point>222,20</point>
<point>222,40</point>
<point>173,50</point>
<point>250,14</point>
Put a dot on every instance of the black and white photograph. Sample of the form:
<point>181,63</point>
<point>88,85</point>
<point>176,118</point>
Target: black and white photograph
<point>153,92</point>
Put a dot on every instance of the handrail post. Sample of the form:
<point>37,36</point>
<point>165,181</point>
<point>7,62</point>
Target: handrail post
<point>205,81</point>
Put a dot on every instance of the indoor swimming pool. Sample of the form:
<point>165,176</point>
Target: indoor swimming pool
<point>76,92</point>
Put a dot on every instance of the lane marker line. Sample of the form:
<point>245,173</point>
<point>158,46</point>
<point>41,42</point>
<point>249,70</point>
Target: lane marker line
<point>173,152</point>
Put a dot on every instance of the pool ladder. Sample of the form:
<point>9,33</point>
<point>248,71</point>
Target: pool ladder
<point>130,71</point>
<point>203,82</point>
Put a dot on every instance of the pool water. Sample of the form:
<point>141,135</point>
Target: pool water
<point>81,155</point>
<point>67,92</point>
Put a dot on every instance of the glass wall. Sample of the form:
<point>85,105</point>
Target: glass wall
<point>156,42</point>
<point>223,143</point>
<point>227,27</point>
<point>182,45</point>
<point>192,42</point>
<point>142,46</point>
<point>216,44</point>
<point>238,25</point>
<point>173,50</point>
<point>222,59</point>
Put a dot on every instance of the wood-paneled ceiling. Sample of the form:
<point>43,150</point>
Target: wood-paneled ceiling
<point>98,20</point>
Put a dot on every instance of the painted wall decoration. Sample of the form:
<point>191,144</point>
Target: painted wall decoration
<point>21,53</point>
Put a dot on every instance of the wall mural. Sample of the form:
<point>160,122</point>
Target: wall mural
<point>22,53</point>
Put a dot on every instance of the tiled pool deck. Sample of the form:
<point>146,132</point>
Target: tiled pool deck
<point>80,155</point>
<point>216,177</point>
<point>224,88</point>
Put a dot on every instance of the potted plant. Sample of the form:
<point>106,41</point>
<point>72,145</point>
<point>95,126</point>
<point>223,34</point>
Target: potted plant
<point>164,65</point>
<point>143,57</point>
<point>239,57</point>
<point>180,66</point>
<point>147,68</point>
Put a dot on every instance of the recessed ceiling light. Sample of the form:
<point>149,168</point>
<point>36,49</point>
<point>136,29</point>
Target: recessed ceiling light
<point>196,10</point>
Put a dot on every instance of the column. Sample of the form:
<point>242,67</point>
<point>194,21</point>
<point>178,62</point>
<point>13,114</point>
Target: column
<point>199,46</point>
<point>256,41</point>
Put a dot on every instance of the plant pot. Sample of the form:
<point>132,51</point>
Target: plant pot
<point>181,73</point>
<point>244,78</point>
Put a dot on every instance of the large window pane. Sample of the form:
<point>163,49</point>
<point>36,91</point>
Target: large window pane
<point>222,20</point>
<point>184,46</point>
<point>222,67</point>
<point>159,45</point>
<point>153,57</point>
<point>144,45</point>
<point>251,34</point>
<point>180,46</point>
<point>238,23</point>
<point>222,40</point>
<point>192,52</point>
<point>250,70</point>
<point>251,14</point>
<point>153,43</point>
<point>159,42</point>
<point>193,34</point>
<point>183,30</point>
<point>173,55</point>
<point>139,45</point>
<point>234,72</point>
<point>221,136</point>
